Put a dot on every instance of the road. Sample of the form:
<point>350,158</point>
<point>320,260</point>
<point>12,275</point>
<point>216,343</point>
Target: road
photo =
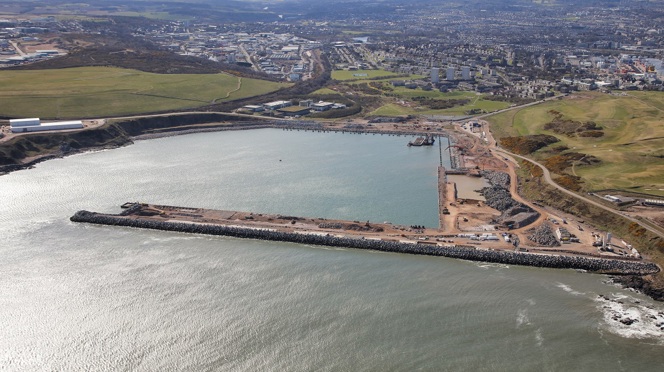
<point>518,107</point>
<point>550,181</point>
<point>514,184</point>
<point>16,47</point>
<point>248,58</point>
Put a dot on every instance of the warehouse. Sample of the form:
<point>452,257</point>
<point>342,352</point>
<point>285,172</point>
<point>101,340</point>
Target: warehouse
<point>14,123</point>
<point>35,125</point>
<point>277,105</point>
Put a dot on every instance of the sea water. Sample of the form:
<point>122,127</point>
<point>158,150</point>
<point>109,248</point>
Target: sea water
<point>83,297</point>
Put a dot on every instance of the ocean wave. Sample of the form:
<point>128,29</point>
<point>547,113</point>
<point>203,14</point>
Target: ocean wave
<point>538,337</point>
<point>487,265</point>
<point>625,316</point>
<point>569,289</point>
<point>522,318</point>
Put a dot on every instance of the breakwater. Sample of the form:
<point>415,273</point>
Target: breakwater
<point>461,252</point>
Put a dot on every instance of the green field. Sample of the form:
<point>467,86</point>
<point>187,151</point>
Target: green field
<point>390,78</point>
<point>631,151</point>
<point>106,91</point>
<point>323,91</point>
<point>476,102</point>
<point>343,75</point>
<point>434,93</point>
<point>392,109</point>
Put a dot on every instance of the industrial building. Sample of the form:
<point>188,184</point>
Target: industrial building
<point>29,122</point>
<point>655,202</point>
<point>35,125</point>
<point>253,108</point>
<point>277,105</point>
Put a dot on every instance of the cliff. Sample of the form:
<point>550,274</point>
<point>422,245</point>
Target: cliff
<point>25,150</point>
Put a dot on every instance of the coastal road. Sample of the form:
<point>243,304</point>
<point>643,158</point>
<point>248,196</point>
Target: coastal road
<point>550,181</point>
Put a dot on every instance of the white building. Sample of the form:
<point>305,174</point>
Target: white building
<point>322,106</point>
<point>450,73</point>
<point>35,125</point>
<point>465,72</point>
<point>277,105</point>
<point>15,123</point>
<point>435,78</point>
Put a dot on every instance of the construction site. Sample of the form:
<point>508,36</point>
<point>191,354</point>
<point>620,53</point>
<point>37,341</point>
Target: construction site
<point>478,203</point>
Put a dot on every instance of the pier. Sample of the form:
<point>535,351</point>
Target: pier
<point>338,233</point>
<point>442,197</point>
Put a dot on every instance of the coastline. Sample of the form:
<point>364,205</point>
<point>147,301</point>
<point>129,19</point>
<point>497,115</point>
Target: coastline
<point>148,128</point>
<point>121,133</point>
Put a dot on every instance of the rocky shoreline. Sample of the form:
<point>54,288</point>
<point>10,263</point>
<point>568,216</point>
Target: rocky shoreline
<point>606,266</point>
<point>6,169</point>
<point>641,284</point>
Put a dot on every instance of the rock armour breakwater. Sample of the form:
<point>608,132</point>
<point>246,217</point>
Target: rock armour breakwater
<point>467,253</point>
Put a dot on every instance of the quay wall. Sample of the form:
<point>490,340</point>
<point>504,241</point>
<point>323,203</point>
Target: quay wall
<point>461,252</point>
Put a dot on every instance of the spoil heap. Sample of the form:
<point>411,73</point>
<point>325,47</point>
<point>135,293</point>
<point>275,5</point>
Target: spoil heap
<point>514,214</point>
<point>543,235</point>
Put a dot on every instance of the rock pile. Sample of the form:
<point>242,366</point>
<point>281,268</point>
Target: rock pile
<point>496,178</point>
<point>543,235</point>
<point>514,214</point>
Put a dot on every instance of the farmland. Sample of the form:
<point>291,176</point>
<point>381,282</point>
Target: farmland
<point>106,91</point>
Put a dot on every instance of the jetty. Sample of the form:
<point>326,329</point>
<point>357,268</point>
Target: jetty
<point>442,197</point>
<point>383,237</point>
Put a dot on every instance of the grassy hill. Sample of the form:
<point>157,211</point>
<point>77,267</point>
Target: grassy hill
<point>631,145</point>
<point>343,75</point>
<point>109,91</point>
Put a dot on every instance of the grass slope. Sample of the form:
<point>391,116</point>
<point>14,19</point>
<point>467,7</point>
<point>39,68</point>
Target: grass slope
<point>412,108</point>
<point>342,75</point>
<point>107,91</point>
<point>631,151</point>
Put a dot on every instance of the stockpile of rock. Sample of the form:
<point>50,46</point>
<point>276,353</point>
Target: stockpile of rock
<point>331,225</point>
<point>497,197</point>
<point>514,214</point>
<point>496,178</point>
<point>462,252</point>
<point>543,235</point>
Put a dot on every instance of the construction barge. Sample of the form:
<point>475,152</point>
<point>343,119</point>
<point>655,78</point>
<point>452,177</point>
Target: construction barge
<point>427,140</point>
<point>338,233</point>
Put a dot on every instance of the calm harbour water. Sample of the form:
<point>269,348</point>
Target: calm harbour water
<point>82,297</point>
